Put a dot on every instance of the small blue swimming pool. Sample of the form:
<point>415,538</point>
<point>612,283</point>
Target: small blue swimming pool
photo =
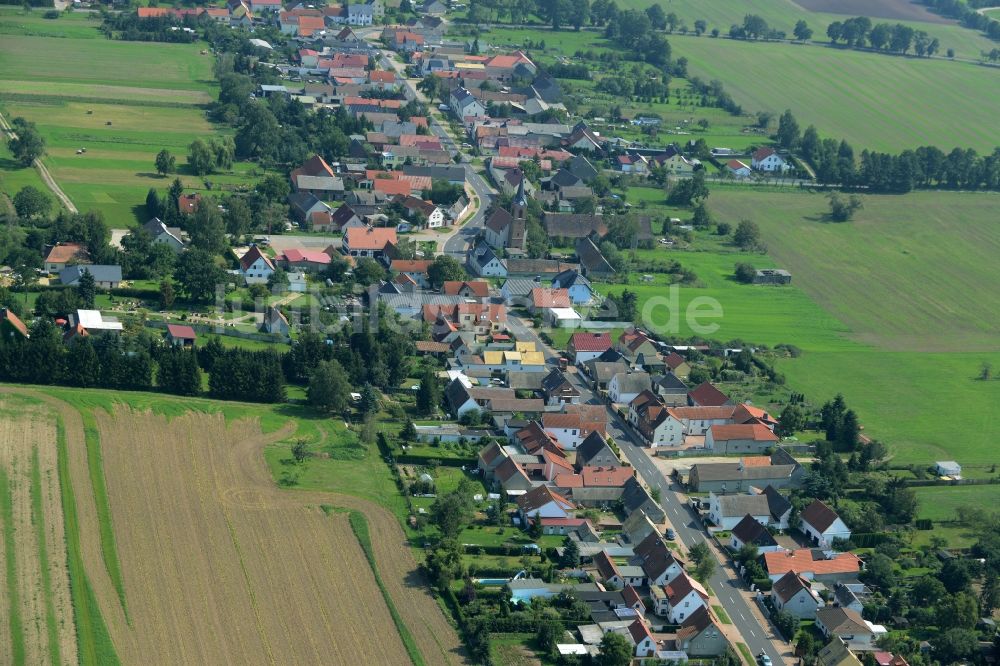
<point>492,582</point>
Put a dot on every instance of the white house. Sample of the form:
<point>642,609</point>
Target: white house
<point>794,594</point>
<point>738,169</point>
<point>727,511</point>
<point>642,637</point>
<point>543,502</point>
<point>822,524</point>
<point>256,267</point>
<point>484,262</point>
<point>625,386</point>
<point>684,596</point>
<point>750,532</point>
<point>463,104</point>
<point>161,233</point>
<point>767,159</point>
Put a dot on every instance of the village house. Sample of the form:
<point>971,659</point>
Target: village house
<point>671,389</point>
<point>659,562</point>
<point>368,241</point>
<point>625,386</point>
<point>255,266</point>
<point>310,261</point>
<point>484,262</point>
<point>847,625</point>
<point>782,471</point>
<point>275,323</point>
<point>642,638</point>
<point>677,364</point>
<point>580,291</point>
<point>543,502</point>
<point>187,204</point>
<point>105,277</point>
<point>583,347</point>
<point>813,565</point>
<point>414,269</point>
<point>635,498</point>
<point>740,438</point>
<point>700,635</point>
<point>558,390</point>
<point>465,105</point>
<point>822,524</point>
<point>726,511</point>
<point>794,594</point>
<point>707,395</point>
<point>571,428</point>
<point>316,177</point>
<point>11,326</point>
<point>750,532</point>
<point>836,653</point>
<point>767,159</point>
<point>618,575</point>
<point>63,254</point>
<point>595,451</point>
<point>172,237</point>
<point>738,169</point>
<point>684,595</point>
<point>308,210</point>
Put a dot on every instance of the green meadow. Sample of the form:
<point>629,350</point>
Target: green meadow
<point>121,102</point>
<point>783,14</point>
<point>876,102</point>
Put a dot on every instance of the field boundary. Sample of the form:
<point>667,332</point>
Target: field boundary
<point>359,525</point>
<point>109,101</point>
<point>109,548</point>
<point>38,518</point>
<point>93,638</point>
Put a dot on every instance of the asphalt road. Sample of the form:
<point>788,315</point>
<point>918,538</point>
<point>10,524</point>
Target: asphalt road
<point>458,243</point>
<point>680,515</point>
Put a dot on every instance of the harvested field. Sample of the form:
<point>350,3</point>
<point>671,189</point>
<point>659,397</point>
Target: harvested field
<point>898,10</point>
<point>36,619</point>
<point>221,568</point>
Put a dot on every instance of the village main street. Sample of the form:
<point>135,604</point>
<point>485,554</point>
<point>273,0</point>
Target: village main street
<point>751,627</point>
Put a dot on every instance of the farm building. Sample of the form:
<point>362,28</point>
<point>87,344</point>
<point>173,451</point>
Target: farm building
<point>772,276</point>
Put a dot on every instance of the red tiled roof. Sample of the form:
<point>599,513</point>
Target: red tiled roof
<point>480,288</point>
<point>295,255</point>
<point>181,332</point>
<point>591,341</point>
<point>606,477</point>
<point>763,153</point>
<point>252,255</point>
<point>410,265</point>
<point>13,320</point>
<point>801,561</point>
<point>370,238</point>
<point>752,431</point>
<point>64,252</point>
<point>707,395</point>
<point>543,297</point>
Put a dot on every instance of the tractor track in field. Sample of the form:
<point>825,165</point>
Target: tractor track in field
<point>43,171</point>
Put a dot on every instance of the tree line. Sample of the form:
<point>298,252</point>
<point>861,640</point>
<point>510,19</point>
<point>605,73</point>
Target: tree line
<point>859,32</point>
<point>921,168</point>
<point>965,12</point>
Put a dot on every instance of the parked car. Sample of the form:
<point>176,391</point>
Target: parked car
<point>763,659</point>
<point>670,534</point>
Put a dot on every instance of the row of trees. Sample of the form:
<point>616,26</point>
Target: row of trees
<point>925,167</point>
<point>860,32</point>
<point>965,12</point>
<point>29,144</point>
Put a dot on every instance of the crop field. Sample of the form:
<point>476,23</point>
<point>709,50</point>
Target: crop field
<point>36,612</point>
<point>220,566</point>
<point>874,101</point>
<point>67,78</point>
<point>286,576</point>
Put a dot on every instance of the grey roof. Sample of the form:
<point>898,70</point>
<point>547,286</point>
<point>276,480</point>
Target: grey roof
<point>750,531</point>
<point>565,178</point>
<point>569,278</point>
<point>603,371</point>
<point>632,382</point>
<point>484,256</point>
<point>670,382</point>
<point>449,173</point>
<point>593,445</point>
<point>740,505</point>
<point>732,472</point>
<point>519,286</point>
<point>591,258</point>
<point>777,503</point>
<point>71,274</point>
<point>521,266</point>
<point>304,201</point>
<point>581,167</point>
<point>156,228</point>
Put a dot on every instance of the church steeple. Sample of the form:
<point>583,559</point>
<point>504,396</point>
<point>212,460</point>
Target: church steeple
<point>519,206</point>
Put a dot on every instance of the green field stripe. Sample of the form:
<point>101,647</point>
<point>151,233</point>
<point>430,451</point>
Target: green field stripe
<point>93,640</point>
<point>31,97</point>
<point>38,519</point>
<point>109,549</point>
<point>359,524</point>
<point>13,594</point>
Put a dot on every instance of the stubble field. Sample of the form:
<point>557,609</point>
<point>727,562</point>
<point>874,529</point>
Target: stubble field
<point>36,612</point>
<point>220,567</point>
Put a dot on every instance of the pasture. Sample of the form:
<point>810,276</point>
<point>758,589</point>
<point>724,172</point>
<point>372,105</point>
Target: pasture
<point>74,84</point>
<point>939,503</point>
<point>874,101</point>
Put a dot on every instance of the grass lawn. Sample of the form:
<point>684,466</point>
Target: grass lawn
<point>894,102</point>
<point>908,273</point>
<point>939,503</point>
